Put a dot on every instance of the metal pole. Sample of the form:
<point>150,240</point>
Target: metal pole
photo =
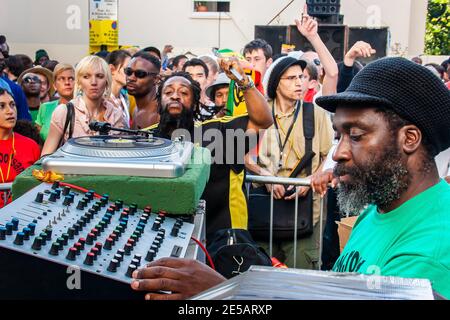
<point>271,223</point>
<point>320,231</point>
<point>295,227</point>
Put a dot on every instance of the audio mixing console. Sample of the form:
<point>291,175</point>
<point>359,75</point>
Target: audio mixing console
<point>53,230</point>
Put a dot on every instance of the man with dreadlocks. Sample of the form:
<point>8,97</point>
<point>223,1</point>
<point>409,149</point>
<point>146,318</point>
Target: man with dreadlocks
<point>178,102</point>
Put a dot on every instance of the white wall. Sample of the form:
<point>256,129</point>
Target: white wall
<point>31,24</point>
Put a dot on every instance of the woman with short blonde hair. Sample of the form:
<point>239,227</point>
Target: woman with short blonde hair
<point>93,82</point>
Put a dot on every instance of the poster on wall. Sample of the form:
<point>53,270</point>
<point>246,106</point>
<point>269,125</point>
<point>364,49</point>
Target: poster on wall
<point>103,25</point>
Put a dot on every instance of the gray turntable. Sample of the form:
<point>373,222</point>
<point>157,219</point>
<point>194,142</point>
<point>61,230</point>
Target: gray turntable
<point>121,155</point>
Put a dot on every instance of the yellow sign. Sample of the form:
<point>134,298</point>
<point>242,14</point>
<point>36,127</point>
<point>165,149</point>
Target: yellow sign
<point>103,32</point>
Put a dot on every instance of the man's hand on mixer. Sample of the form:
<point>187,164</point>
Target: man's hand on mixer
<point>184,278</point>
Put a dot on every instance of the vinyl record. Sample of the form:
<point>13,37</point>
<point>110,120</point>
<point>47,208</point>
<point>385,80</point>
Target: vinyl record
<point>112,142</point>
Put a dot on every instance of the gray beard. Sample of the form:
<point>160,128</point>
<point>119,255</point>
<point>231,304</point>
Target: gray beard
<point>378,183</point>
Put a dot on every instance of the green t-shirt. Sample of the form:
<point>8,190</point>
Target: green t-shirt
<point>44,117</point>
<point>412,241</point>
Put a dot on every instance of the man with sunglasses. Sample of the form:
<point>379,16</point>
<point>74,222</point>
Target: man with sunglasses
<point>40,79</point>
<point>142,79</point>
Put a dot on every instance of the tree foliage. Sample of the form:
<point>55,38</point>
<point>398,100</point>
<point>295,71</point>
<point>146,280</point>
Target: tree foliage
<point>437,37</point>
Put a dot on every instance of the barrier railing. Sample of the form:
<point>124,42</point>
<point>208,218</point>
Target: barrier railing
<point>297,182</point>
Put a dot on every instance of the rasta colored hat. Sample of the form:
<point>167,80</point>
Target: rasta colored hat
<point>41,53</point>
<point>281,65</point>
<point>410,90</point>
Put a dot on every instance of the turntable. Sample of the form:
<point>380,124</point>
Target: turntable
<point>121,155</point>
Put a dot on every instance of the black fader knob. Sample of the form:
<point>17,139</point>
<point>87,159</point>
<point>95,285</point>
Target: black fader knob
<point>39,197</point>
<point>150,255</point>
<point>55,185</point>
<point>67,200</point>
<point>65,191</point>
<point>53,196</point>
<point>130,270</point>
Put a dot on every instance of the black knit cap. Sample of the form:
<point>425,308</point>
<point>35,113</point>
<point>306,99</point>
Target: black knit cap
<point>409,89</point>
<point>281,66</point>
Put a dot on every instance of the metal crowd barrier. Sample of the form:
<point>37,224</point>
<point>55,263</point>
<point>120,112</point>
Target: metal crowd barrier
<point>297,182</point>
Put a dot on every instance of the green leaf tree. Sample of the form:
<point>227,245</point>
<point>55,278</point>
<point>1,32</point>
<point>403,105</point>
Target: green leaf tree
<point>437,37</point>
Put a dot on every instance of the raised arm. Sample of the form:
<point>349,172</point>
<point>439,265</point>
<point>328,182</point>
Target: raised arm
<point>308,27</point>
<point>257,106</point>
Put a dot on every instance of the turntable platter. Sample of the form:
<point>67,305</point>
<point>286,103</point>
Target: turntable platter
<point>120,155</point>
<point>119,147</point>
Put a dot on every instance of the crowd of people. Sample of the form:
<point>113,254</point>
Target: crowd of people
<point>381,137</point>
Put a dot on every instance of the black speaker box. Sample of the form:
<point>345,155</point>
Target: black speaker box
<point>334,36</point>
<point>274,35</point>
<point>378,38</point>
<point>320,8</point>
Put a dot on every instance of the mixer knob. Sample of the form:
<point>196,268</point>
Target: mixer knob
<point>37,244</point>
<point>159,238</point>
<point>43,235</point>
<point>138,257</point>
<point>2,233</point>
<point>55,185</point>
<point>65,237</point>
<point>102,225</point>
<point>95,231</point>
<point>60,241</point>
<point>39,197</point>
<point>89,260</point>
<point>118,257</point>
<point>148,209</point>
<point>119,204</point>
<point>72,254</point>
<point>133,208</point>
<point>49,231</point>
<point>174,232</point>
<point>15,223</point>
<point>53,196</point>
<point>82,241</point>
<point>58,193</point>
<point>150,255</point>
<point>113,237</point>
<point>67,200</point>
<point>136,262</point>
<point>142,225</point>
<point>108,244</point>
<point>113,265</point>
<point>79,247</point>
<point>143,220</point>
<point>77,227</point>
<point>135,238</point>
<point>65,191</point>
<point>32,227</point>
<point>54,250</point>
<point>81,204</point>
<point>121,252</point>
<point>94,250</point>
<point>26,232</point>
<point>82,221</point>
<point>99,247</point>
<point>128,248</point>
<point>124,223</point>
<point>154,247</point>
<point>90,238</point>
<point>131,269</point>
<point>88,217</point>
<point>71,232</point>
<point>96,207</point>
<point>156,225</point>
<point>89,196</point>
<point>113,207</point>
<point>19,238</point>
<point>162,233</point>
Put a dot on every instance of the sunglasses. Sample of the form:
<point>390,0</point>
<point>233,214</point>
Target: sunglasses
<point>140,74</point>
<point>31,79</point>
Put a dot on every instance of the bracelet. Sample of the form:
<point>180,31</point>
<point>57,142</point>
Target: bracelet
<point>249,85</point>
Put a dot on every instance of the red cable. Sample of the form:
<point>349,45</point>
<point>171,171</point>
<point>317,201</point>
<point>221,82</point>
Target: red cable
<point>72,186</point>
<point>211,263</point>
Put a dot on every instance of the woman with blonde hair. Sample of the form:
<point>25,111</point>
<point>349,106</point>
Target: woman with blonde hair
<point>92,90</point>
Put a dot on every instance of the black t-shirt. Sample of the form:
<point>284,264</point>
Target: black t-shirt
<point>225,196</point>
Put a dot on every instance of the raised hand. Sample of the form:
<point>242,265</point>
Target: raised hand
<point>360,49</point>
<point>307,25</point>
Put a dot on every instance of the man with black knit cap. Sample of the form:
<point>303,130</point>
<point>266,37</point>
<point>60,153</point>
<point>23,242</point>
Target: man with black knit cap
<point>391,128</point>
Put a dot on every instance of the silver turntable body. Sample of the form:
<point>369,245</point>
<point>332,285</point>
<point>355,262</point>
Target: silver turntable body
<point>121,155</point>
